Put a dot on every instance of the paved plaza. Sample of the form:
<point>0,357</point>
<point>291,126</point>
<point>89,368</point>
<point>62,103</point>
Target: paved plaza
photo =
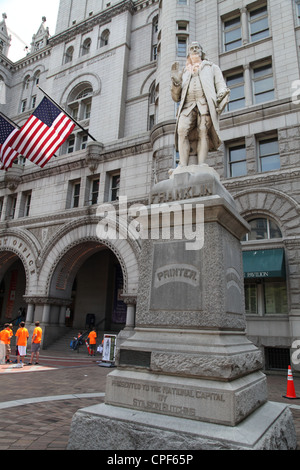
<point>38,402</point>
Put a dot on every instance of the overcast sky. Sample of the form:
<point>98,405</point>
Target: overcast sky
<point>24,18</point>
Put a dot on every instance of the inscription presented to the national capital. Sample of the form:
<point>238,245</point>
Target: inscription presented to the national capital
<point>167,399</point>
<point>19,247</point>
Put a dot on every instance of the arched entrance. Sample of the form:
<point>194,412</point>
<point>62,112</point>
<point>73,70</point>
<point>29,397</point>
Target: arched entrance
<point>18,272</point>
<point>81,274</point>
<point>90,277</point>
<point>12,287</point>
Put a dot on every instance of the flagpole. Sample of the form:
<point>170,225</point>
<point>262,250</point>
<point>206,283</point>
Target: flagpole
<point>65,112</point>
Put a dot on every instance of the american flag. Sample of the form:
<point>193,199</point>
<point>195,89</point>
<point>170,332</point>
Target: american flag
<point>43,133</point>
<point>8,134</point>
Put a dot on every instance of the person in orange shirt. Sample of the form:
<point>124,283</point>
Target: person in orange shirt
<point>92,339</point>
<point>5,336</point>
<point>36,342</point>
<point>22,337</point>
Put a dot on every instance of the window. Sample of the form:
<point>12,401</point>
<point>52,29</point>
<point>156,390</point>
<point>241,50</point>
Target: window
<point>232,33</point>
<point>115,186</point>
<point>11,206</point>
<point>297,4</point>
<point>94,191</point>
<point>259,25</point>
<point>33,102</point>
<point>86,46</point>
<point>265,278</point>
<point>27,205</point>
<point>23,106</point>
<point>80,108</point>
<point>263,84</point>
<point>269,154</point>
<point>181,47</point>
<point>36,78</point>
<point>263,229</point>
<point>71,144</point>
<point>80,103</point>
<point>266,297</point>
<point>84,140</point>
<point>104,38</point>
<point>237,91</point>
<point>237,160</point>
<point>76,194</point>
<point>69,55</point>
<point>277,358</point>
<point>182,2</point>
<point>152,107</point>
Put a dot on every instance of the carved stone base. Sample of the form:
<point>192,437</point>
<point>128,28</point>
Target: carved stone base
<point>104,427</point>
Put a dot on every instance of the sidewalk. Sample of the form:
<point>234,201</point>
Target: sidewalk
<point>37,403</point>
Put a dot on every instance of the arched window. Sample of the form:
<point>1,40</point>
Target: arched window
<point>263,229</point>
<point>86,46</point>
<point>79,106</point>
<point>152,106</point>
<point>104,38</point>
<point>69,54</point>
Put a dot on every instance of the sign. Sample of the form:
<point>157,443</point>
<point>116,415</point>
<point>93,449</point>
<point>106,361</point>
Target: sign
<point>109,348</point>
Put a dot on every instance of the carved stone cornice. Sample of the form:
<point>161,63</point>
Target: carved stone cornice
<point>129,299</point>
<point>261,179</point>
<point>41,300</point>
<point>88,24</point>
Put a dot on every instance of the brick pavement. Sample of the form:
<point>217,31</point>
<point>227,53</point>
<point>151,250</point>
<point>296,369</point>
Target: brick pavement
<point>37,407</point>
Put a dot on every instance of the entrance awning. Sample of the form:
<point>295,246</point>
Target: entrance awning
<point>264,263</point>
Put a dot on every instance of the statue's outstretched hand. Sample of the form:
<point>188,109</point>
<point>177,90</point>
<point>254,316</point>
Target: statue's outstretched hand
<point>176,74</point>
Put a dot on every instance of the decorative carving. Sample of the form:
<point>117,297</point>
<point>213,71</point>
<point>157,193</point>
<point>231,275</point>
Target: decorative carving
<point>12,177</point>
<point>94,155</point>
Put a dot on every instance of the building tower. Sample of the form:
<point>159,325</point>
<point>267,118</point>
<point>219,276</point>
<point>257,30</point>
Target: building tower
<point>5,38</point>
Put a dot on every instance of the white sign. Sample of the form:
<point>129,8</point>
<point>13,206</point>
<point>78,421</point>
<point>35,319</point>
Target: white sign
<point>109,348</point>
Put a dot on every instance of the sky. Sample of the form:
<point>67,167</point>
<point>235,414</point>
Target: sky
<point>24,18</point>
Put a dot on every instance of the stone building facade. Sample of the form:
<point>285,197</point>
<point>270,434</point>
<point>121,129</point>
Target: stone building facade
<point>108,65</point>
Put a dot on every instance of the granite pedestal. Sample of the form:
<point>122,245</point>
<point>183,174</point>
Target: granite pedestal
<point>188,378</point>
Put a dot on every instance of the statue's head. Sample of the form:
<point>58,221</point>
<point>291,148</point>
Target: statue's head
<point>196,49</point>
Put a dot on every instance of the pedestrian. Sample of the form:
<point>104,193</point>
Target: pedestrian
<point>36,342</point>
<point>92,340</point>
<point>22,337</point>
<point>5,337</point>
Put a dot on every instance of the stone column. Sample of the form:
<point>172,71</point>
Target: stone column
<point>248,85</point>
<point>46,314</point>
<point>62,315</point>
<point>30,313</point>
<point>244,21</point>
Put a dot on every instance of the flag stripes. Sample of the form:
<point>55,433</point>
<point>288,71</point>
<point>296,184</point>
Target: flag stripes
<point>38,142</point>
<point>39,138</point>
<point>8,135</point>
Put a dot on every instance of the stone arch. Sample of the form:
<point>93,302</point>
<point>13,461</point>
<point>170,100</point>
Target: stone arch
<point>152,15</point>
<point>270,202</point>
<point>147,83</point>
<point>15,245</point>
<point>87,78</point>
<point>80,239</point>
